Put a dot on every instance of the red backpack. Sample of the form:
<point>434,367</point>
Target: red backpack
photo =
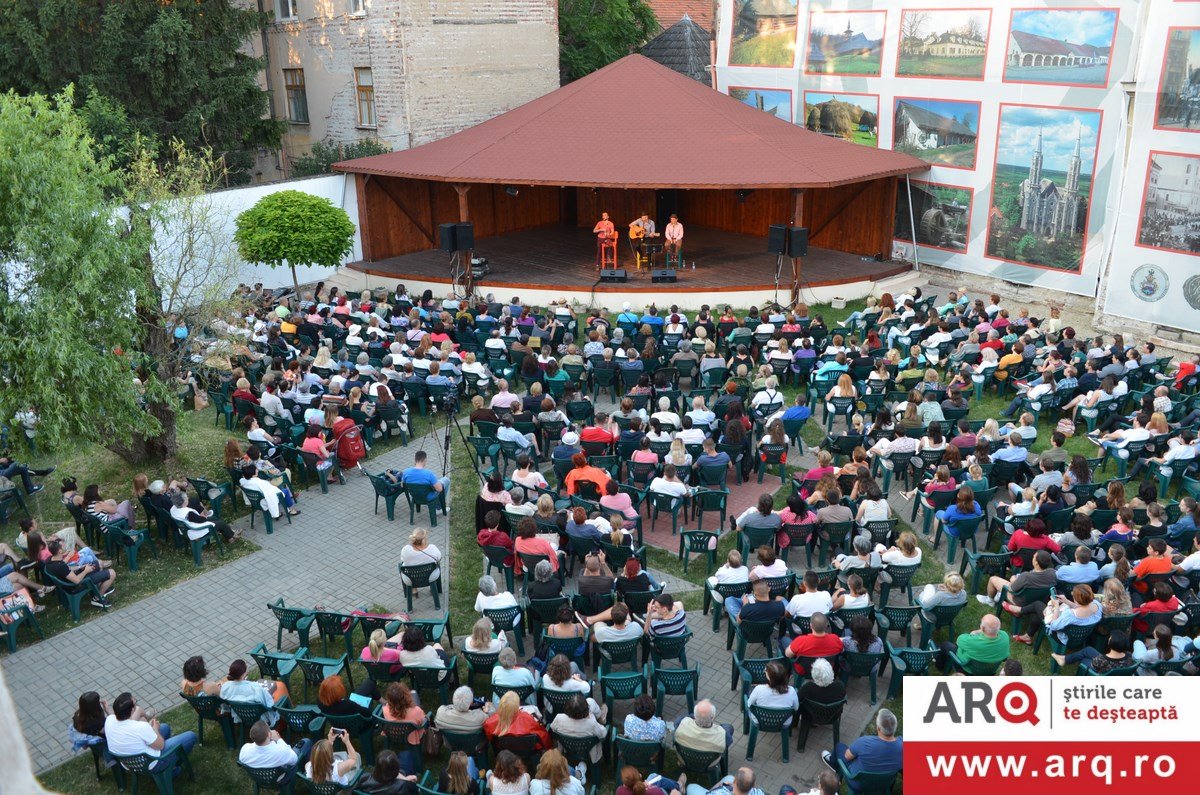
<point>350,445</point>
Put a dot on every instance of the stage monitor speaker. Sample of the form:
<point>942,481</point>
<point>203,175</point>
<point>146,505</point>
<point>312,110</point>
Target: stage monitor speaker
<point>614,275</point>
<point>777,239</point>
<point>663,275</point>
<point>448,237</point>
<point>798,241</point>
<point>465,236</point>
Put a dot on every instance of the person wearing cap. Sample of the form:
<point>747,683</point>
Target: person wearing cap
<point>354,336</point>
<point>627,314</point>
<point>567,447</point>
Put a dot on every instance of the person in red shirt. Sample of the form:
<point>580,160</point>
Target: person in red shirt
<point>818,643</point>
<point>493,536</point>
<point>598,431</point>
<point>1155,562</point>
<point>1164,601</point>
<point>993,341</point>
<point>585,471</point>
<point>510,720</point>
<point>1032,536</point>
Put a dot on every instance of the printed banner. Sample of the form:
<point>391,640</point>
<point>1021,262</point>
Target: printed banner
<point>1155,270</point>
<point>1017,107</point>
<point>1051,735</point>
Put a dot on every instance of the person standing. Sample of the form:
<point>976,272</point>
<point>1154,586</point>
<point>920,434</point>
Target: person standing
<point>606,235</point>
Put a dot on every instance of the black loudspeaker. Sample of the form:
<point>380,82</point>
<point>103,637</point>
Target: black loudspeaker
<point>663,275</point>
<point>614,275</point>
<point>777,239</point>
<point>448,237</point>
<point>798,241</point>
<point>465,236</point>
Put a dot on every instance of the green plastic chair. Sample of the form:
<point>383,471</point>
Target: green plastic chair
<point>859,664</point>
<point>907,661</point>
<point>197,544</point>
<point>665,503</point>
<point>943,616</point>
<point>303,720</point>
<point>361,728</point>
<point>817,713</point>
<point>129,540</point>
<point>389,491</point>
<point>698,541</point>
<point>675,682</point>
<point>576,749</point>
<point>292,619</point>
<point>271,779</point>
<point>479,662</point>
<point>19,615</point>
<point>707,500</point>
<point>508,619</point>
<point>524,692</point>
<point>757,718</point>
<point>214,494</point>
<point>659,648</point>
<point>396,735</point>
<point>421,677</point>
<point>156,768</point>
<point>419,577</point>
<point>710,766</point>
<point>315,669</point>
<point>642,754</point>
<point>70,598</point>
<point>715,596</point>
<point>866,783</point>
<point>901,579</point>
<point>332,625</point>
<point>623,685</point>
<point>277,665</point>
<point>420,495</point>
<point>617,652</point>
<point>210,708</point>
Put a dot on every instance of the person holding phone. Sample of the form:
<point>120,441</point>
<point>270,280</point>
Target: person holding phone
<point>327,766</point>
<point>57,566</point>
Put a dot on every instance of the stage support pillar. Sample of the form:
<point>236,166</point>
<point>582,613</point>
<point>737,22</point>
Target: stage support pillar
<point>464,215</point>
<point>797,262</point>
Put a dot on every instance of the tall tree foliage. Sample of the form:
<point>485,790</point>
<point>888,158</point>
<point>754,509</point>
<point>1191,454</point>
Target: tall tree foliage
<point>177,69</point>
<point>67,307</point>
<point>594,33</point>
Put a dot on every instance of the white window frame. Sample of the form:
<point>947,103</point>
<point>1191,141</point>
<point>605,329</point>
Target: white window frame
<point>358,8</point>
<point>291,7</point>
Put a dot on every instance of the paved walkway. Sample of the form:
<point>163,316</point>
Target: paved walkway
<point>321,558</point>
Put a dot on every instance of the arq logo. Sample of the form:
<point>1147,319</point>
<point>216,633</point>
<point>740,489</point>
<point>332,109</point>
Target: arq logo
<point>967,702</point>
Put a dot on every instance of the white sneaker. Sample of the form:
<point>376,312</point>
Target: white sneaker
<point>985,600</point>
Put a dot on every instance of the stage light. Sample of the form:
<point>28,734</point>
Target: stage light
<point>512,191</point>
<point>742,194</point>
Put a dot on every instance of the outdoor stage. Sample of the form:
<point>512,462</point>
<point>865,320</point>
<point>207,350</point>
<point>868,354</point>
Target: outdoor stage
<point>560,261</point>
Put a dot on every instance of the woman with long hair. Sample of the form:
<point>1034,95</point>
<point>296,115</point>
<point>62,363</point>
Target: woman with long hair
<point>510,720</point>
<point>508,775</point>
<point>457,777</point>
<point>777,693</point>
<point>325,766</point>
<point>554,777</point>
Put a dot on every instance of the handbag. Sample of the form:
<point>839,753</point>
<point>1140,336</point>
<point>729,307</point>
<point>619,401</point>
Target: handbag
<point>1066,427</point>
<point>431,742</point>
<point>199,401</point>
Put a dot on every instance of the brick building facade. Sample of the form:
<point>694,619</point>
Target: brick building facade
<point>404,72</point>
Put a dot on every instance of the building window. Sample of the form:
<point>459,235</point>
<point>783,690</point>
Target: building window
<point>366,97</point>
<point>293,80</point>
<point>358,7</point>
<point>287,9</point>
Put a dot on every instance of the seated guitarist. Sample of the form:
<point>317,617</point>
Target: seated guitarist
<point>640,229</point>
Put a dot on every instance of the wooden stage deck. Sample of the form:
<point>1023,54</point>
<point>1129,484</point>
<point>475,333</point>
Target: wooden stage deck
<point>564,257</point>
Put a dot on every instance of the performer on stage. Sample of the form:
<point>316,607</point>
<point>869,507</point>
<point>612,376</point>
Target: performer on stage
<point>674,235</point>
<point>606,234</point>
<point>642,227</point>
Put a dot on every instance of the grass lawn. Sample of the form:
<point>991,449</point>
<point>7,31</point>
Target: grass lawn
<point>940,66</point>
<point>768,49</point>
<point>849,65</point>
<point>865,139</point>
<point>959,155</point>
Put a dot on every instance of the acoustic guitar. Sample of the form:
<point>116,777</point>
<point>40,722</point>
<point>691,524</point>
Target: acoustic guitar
<point>636,232</point>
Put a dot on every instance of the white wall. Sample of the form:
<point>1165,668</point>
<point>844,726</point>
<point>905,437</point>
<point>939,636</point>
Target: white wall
<point>227,204</point>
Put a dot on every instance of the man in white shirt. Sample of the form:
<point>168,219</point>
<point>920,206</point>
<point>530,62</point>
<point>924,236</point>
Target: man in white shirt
<point>1180,452</point>
<point>127,734</point>
<point>810,599</point>
<point>523,441</point>
<point>256,434</point>
<point>769,396</point>
<point>271,493</point>
<point>669,483</point>
<point>664,414</point>
<point>1120,439</point>
<point>690,434</point>
<point>267,750</point>
<point>491,598</point>
<point>700,414</point>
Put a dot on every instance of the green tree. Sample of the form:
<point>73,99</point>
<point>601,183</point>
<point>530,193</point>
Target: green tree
<point>67,307</point>
<point>1026,249</point>
<point>294,227</point>
<point>179,70</point>
<point>324,154</point>
<point>594,33</point>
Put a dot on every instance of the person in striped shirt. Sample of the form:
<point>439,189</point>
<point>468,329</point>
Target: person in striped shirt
<point>665,617</point>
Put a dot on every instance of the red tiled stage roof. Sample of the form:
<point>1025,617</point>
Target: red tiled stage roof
<point>637,124</point>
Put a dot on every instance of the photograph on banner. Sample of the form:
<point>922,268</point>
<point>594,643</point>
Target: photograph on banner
<point>776,101</point>
<point>1178,106</point>
<point>1041,185</point>
<point>764,33</point>
<point>852,117</point>
<point>1060,46</point>
<point>940,213</point>
<point>1170,212</point>
<point>845,43</point>
<point>943,132</point>
<point>943,43</point>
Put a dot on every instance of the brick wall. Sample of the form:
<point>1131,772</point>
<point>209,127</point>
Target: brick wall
<point>439,66</point>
